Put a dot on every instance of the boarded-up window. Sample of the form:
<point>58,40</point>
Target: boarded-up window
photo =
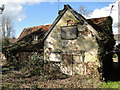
<point>77,58</point>
<point>71,59</point>
<point>69,32</point>
<point>72,63</point>
<point>67,59</point>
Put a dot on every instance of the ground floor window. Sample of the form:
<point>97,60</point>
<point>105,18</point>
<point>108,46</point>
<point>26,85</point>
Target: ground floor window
<point>72,58</point>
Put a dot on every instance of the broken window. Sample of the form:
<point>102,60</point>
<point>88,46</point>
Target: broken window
<point>70,22</point>
<point>67,59</point>
<point>69,32</point>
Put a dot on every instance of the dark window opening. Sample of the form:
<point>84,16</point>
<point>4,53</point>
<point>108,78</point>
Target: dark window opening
<point>67,59</point>
<point>70,22</point>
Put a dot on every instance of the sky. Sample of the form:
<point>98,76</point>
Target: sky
<point>29,13</point>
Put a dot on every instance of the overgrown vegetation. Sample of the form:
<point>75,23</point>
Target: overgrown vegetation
<point>17,79</point>
<point>5,42</point>
<point>35,64</point>
<point>109,84</point>
<point>106,45</point>
<point>37,73</point>
<point>115,56</point>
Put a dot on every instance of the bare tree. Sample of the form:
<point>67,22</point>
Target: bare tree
<point>7,27</point>
<point>2,8</point>
<point>84,11</point>
<point>3,27</point>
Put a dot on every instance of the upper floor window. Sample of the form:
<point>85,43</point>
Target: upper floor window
<point>69,32</point>
<point>35,37</point>
<point>70,22</point>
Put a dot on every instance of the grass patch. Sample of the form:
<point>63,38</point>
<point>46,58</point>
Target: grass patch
<point>110,84</point>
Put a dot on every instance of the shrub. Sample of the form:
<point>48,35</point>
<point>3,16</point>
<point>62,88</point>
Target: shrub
<point>115,56</point>
<point>35,64</point>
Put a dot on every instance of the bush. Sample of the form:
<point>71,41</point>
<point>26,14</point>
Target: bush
<point>115,56</point>
<point>35,64</point>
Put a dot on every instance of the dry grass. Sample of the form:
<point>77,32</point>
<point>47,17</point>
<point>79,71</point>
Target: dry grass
<point>16,79</point>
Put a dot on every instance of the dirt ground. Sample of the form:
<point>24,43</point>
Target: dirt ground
<point>15,79</point>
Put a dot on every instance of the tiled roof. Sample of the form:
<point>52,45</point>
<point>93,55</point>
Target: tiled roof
<point>30,30</point>
<point>94,21</point>
<point>98,21</point>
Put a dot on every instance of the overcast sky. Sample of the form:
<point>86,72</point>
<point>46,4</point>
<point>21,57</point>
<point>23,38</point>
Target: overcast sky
<point>29,13</point>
